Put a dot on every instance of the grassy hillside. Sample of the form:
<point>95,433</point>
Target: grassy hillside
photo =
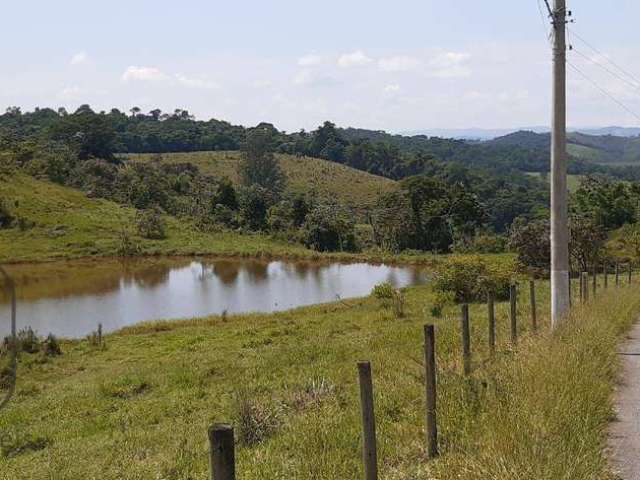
<point>140,407</point>
<point>305,174</point>
<point>66,223</point>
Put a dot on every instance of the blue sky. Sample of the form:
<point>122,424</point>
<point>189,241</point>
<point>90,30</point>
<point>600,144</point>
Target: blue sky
<point>401,65</point>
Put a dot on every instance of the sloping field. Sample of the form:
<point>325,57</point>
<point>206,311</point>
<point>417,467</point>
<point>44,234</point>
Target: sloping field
<point>305,174</point>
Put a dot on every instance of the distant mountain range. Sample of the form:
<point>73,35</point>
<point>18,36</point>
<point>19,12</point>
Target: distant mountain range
<point>483,134</point>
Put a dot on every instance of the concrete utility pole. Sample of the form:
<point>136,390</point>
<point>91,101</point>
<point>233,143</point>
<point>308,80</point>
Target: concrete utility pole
<point>559,209</point>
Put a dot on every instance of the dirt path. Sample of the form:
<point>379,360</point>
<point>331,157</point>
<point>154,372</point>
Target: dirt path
<point>624,433</point>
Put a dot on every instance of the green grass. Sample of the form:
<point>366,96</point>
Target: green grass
<point>68,224</point>
<point>353,187</point>
<point>141,407</point>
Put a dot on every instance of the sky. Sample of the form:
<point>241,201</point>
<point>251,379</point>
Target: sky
<point>396,66</point>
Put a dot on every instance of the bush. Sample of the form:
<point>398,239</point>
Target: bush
<point>254,421</point>
<point>390,297</point>
<point>127,247</point>
<point>51,347</point>
<point>151,225</point>
<point>482,243</point>
<point>470,279</point>
<point>6,218</point>
<point>328,228</point>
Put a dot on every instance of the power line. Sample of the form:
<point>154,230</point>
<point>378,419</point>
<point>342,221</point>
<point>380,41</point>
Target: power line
<point>603,90</point>
<point>542,19</point>
<point>634,85</point>
<point>599,53</point>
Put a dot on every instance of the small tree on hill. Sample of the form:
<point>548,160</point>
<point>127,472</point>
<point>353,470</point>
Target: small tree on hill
<point>259,166</point>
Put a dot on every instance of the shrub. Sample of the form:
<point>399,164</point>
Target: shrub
<point>470,279</point>
<point>441,300</point>
<point>127,247</point>
<point>50,346</point>
<point>482,243</point>
<point>6,218</point>
<point>390,297</point>
<point>330,227</point>
<point>151,225</point>
<point>255,421</point>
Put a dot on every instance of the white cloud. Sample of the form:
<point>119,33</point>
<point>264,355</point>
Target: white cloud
<point>398,64</point>
<point>79,58</point>
<point>196,82</point>
<point>354,59</point>
<point>313,78</point>
<point>450,65</point>
<point>309,60</point>
<point>261,83</point>
<point>392,88</point>
<point>143,74</point>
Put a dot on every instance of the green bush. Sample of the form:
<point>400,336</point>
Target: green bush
<point>6,218</point>
<point>151,225</point>
<point>390,297</point>
<point>470,279</point>
<point>482,243</point>
<point>329,227</point>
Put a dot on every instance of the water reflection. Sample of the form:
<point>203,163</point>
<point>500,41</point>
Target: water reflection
<point>70,298</point>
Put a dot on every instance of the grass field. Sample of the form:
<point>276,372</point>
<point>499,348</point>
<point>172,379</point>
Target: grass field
<point>305,175</point>
<point>68,224</point>
<point>140,408</point>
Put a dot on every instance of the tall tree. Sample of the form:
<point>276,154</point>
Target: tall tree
<point>259,166</point>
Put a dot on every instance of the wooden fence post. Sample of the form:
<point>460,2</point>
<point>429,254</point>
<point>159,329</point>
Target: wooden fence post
<point>617,274</point>
<point>222,455</point>
<point>532,295</point>
<point>629,273</point>
<point>466,339</point>
<point>369,449</point>
<point>430,387</point>
<point>100,334</point>
<point>492,323</point>
<point>585,286</point>
<point>513,295</point>
<point>605,272</point>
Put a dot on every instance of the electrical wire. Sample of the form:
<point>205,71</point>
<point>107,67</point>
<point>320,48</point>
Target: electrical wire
<point>604,91</point>
<point>602,55</point>
<point>634,85</point>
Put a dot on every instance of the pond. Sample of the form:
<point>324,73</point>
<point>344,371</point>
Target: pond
<point>70,299</point>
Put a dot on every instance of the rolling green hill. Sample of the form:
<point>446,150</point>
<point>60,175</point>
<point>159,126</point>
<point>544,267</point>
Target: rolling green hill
<point>353,187</point>
<point>60,222</point>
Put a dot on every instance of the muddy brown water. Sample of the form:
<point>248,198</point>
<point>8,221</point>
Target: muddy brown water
<point>69,299</point>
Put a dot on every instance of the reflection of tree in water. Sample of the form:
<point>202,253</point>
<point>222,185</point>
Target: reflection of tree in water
<point>257,271</point>
<point>148,277</point>
<point>226,270</point>
<point>305,269</point>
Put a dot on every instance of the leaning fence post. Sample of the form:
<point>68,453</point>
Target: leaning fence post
<point>222,455</point>
<point>532,294</point>
<point>513,293</point>
<point>430,388</point>
<point>492,323</point>
<point>466,339</point>
<point>369,449</point>
<point>617,274</point>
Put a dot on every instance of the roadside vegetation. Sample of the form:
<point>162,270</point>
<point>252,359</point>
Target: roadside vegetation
<point>139,405</point>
